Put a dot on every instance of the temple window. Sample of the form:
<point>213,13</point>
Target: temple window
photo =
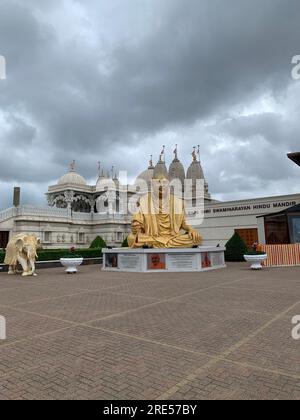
<point>47,237</point>
<point>81,237</point>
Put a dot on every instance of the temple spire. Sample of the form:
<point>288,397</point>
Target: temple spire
<point>115,178</point>
<point>194,154</point>
<point>72,166</point>
<point>151,162</point>
<point>162,155</point>
<point>176,154</point>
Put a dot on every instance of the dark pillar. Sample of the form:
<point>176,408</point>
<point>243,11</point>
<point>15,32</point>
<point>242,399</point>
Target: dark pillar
<point>17,195</point>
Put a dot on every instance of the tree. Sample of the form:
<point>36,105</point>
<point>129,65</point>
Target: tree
<point>235,249</point>
<point>98,242</point>
<point>125,243</point>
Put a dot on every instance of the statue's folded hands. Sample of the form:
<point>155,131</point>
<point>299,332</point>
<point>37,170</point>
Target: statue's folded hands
<point>194,235</point>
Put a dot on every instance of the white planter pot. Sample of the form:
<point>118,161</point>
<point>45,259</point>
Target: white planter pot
<point>71,264</point>
<point>256,260</point>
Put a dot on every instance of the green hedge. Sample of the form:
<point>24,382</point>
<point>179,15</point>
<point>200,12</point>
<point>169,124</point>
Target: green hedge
<point>56,254</point>
<point>125,243</point>
<point>235,249</point>
<point>98,242</point>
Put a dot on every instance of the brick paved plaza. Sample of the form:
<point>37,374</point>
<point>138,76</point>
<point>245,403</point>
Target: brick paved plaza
<point>98,335</point>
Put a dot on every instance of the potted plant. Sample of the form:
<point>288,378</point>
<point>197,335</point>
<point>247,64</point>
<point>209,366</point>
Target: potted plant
<point>71,261</point>
<point>255,257</point>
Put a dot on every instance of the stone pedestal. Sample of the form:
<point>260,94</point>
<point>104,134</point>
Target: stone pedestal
<point>163,260</point>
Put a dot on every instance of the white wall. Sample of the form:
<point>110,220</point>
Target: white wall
<point>221,219</point>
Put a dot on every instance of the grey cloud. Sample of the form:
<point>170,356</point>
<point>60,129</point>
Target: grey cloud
<point>197,60</point>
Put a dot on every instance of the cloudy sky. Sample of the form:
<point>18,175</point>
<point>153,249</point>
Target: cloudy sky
<point>114,80</point>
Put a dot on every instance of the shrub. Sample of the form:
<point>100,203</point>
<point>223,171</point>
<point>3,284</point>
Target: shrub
<point>98,242</point>
<point>255,253</point>
<point>73,253</point>
<point>56,254</point>
<point>235,249</point>
<point>125,243</point>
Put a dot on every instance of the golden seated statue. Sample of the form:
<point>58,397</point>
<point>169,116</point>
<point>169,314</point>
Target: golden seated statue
<point>160,221</point>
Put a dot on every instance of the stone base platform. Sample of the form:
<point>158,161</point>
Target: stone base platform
<point>163,260</point>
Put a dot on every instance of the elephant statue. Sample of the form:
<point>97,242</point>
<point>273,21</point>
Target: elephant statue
<point>22,249</point>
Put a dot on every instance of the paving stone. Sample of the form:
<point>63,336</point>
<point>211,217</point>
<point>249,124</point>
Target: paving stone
<point>86,306</point>
<point>273,348</point>
<point>222,334</point>
<point>204,329</point>
<point>239,299</point>
<point>19,295</point>
<point>21,325</point>
<point>228,381</point>
<point>94,365</point>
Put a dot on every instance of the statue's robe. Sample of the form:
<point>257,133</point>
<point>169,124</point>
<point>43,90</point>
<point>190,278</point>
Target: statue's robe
<point>161,228</point>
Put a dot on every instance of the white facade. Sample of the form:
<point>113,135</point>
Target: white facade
<point>61,228</point>
<point>77,213</point>
<point>222,219</point>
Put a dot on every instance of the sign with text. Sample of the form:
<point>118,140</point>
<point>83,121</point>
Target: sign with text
<point>249,208</point>
<point>130,262</point>
<point>182,261</point>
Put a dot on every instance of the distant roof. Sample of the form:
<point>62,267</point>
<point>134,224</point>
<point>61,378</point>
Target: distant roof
<point>293,209</point>
<point>295,157</point>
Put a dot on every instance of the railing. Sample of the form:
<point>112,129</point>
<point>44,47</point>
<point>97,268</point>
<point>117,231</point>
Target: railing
<point>42,211</point>
<point>117,217</point>
<point>86,217</point>
<point>7,214</point>
<point>53,212</point>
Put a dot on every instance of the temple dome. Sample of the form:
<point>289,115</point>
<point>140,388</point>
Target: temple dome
<point>195,171</point>
<point>146,175</point>
<point>103,181</point>
<point>176,170</point>
<point>160,170</point>
<point>72,178</point>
